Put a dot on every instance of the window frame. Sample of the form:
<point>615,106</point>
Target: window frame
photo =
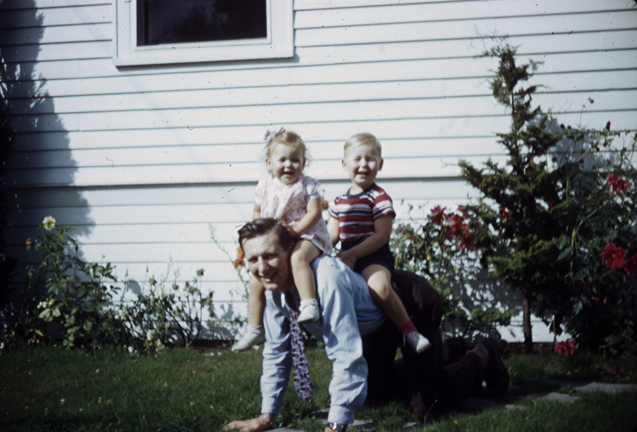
<point>278,44</point>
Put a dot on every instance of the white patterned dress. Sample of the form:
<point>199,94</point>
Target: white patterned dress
<point>289,203</point>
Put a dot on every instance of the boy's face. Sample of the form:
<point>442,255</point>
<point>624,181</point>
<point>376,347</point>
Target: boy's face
<point>362,163</point>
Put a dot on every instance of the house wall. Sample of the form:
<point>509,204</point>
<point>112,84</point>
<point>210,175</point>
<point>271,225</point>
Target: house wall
<point>142,161</point>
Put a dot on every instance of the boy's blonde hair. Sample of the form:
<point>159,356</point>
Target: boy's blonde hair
<point>287,138</point>
<point>363,139</point>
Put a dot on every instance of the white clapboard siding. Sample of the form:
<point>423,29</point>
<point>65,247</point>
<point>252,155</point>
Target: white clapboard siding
<point>332,16</point>
<point>85,14</point>
<point>424,79</point>
<point>418,95</point>
<point>294,74</point>
<point>143,161</point>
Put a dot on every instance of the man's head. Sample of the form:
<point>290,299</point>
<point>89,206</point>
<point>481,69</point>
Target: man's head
<point>267,245</point>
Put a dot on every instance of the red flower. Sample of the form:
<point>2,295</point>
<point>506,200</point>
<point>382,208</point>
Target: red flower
<point>504,214</point>
<point>457,224</point>
<point>467,241</point>
<point>595,298</point>
<point>437,215</point>
<point>614,257</point>
<point>631,265</point>
<point>238,261</point>
<point>618,185</point>
<point>463,210</point>
<point>565,348</point>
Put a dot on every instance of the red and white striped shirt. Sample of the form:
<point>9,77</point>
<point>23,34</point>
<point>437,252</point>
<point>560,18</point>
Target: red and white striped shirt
<point>356,213</point>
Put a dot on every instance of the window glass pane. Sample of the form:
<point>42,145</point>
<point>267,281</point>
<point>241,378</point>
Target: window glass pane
<point>180,21</point>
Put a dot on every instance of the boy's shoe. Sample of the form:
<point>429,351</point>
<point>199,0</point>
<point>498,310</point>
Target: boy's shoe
<point>308,313</point>
<point>417,341</point>
<point>250,338</point>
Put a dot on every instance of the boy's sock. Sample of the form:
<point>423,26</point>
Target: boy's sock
<point>407,327</point>
<point>308,311</point>
<point>414,339</point>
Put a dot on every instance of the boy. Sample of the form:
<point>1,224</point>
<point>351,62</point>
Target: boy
<point>362,219</point>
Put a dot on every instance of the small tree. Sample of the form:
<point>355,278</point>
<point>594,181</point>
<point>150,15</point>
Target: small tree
<point>561,218</point>
<point>518,198</point>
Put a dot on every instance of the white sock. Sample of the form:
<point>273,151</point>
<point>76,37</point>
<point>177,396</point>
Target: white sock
<point>309,302</point>
<point>254,328</point>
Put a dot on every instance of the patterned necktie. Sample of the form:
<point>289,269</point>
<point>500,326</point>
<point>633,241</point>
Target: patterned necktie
<point>302,381</point>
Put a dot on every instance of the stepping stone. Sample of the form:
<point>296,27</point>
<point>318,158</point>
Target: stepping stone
<point>610,388</point>
<point>559,397</point>
<point>359,425</point>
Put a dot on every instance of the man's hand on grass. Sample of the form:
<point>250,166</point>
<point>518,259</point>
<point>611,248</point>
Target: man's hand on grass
<point>255,424</point>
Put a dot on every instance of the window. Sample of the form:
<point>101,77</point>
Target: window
<point>187,31</point>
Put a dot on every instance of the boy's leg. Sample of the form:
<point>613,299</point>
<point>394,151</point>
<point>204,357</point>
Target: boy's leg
<point>379,281</point>
<point>254,334</point>
<point>303,254</point>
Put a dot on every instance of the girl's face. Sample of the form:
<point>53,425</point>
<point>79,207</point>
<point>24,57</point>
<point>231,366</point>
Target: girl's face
<point>286,163</point>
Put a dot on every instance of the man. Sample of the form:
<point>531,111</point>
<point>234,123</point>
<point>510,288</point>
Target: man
<point>358,340</point>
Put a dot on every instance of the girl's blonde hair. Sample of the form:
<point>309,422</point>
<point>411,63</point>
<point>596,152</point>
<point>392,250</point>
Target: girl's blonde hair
<point>288,138</point>
<point>363,139</point>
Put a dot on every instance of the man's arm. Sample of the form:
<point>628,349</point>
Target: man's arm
<point>343,344</point>
<point>277,363</point>
<point>277,353</point>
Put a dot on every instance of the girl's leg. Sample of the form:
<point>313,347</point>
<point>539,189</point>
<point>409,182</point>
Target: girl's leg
<point>379,281</point>
<point>256,302</point>
<point>303,254</point>
<point>254,334</point>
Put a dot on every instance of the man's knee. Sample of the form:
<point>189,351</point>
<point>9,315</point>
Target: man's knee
<point>421,300</point>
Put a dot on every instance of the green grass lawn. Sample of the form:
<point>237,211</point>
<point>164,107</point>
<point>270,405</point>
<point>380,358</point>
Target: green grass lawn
<point>47,389</point>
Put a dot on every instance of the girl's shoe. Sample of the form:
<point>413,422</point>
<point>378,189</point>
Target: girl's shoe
<point>417,341</point>
<point>254,335</point>
<point>308,313</point>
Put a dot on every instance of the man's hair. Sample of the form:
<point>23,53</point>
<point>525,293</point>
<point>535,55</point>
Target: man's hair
<point>260,227</point>
<point>364,139</point>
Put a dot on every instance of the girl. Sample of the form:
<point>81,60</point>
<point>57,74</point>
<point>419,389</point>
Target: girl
<point>289,195</point>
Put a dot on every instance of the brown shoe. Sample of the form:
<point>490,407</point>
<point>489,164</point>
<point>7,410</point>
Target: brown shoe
<point>495,372</point>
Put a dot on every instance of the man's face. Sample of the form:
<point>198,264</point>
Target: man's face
<point>269,262</point>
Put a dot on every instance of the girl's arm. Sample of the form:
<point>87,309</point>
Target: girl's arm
<point>382,233</point>
<point>333,228</point>
<point>256,212</point>
<point>312,216</point>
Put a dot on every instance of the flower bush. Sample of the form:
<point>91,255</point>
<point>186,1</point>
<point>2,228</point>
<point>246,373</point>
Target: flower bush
<point>73,298</point>
<point>441,249</point>
<point>79,305</point>
<point>599,304</point>
<point>165,314</point>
